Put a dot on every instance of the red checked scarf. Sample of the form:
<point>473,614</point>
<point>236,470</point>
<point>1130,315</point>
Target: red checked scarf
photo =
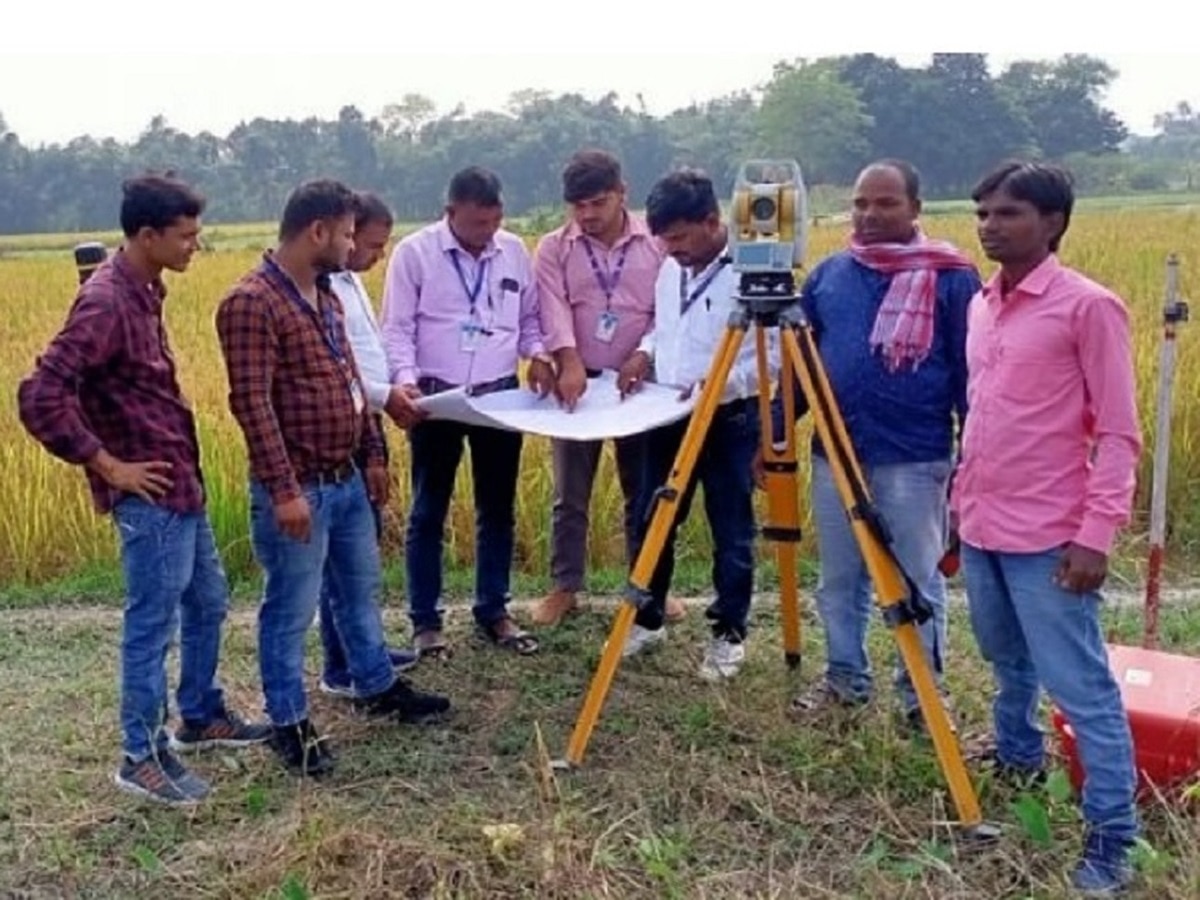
<point>903,329</point>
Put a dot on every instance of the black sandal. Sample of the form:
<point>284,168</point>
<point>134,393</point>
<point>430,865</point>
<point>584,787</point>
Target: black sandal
<point>517,640</point>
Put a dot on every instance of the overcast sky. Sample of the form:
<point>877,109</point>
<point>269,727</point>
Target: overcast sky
<point>105,68</point>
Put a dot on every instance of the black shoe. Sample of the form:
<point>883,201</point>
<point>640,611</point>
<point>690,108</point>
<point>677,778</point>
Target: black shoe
<point>914,724</point>
<point>302,750</point>
<point>403,703</point>
<point>1019,777</point>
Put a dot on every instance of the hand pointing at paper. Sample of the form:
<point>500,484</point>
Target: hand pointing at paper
<point>632,375</point>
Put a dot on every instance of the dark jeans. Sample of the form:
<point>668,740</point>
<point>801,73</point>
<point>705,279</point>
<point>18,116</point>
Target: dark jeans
<point>724,470</point>
<point>437,448</point>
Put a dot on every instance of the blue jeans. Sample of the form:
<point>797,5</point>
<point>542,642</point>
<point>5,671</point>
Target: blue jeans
<point>724,469</point>
<point>1035,634</point>
<point>343,536</point>
<point>911,497</point>
<point>436,449</point>
<point>173,578</point>
<point>335,669</point>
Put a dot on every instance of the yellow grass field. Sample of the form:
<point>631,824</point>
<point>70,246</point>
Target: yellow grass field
<point>48,529</point>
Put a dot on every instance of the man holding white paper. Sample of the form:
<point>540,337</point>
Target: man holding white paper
<point>460,309</point>
<point>595,279</point>
<point>695,294</point>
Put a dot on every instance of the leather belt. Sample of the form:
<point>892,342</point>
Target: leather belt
<point>338,474</point>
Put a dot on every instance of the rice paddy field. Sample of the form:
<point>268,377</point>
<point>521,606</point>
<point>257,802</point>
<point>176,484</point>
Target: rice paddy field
<point>49,532</point>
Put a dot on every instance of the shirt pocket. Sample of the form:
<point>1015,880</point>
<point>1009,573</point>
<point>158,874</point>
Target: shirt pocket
<point>1029,375</point>
<point>501,308</point>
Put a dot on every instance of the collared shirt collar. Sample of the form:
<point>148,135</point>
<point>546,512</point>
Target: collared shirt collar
<point>1034,284</point>
<point>447,241</point>
<point>152,294</point>
<point>634,228</point>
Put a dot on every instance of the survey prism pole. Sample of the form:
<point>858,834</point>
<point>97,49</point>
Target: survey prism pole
<point>1175,312</point>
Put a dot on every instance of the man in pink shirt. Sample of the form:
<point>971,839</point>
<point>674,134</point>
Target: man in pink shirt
<point>1045,482</point>
<point>460,309</point>
<point>595,278</point>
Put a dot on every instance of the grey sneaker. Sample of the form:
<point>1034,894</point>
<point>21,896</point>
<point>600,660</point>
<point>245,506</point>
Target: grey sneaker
<point>228,730</point>
<point>162,778</point>
<point>823,696</point>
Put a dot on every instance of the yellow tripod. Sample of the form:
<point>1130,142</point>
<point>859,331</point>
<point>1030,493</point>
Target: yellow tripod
<point>900,602</point>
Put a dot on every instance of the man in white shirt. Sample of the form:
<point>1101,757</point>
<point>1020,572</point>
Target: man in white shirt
<point>694,297</point>
<point>372,230</point>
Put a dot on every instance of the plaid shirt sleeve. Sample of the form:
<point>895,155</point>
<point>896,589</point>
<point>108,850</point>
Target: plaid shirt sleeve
<point>48,398</point>
<point>250,348</point>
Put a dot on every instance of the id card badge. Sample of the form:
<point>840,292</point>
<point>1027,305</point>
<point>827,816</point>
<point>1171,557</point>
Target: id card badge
<point>469,335</point>
<point>356,395</point>
<point>606,327</point>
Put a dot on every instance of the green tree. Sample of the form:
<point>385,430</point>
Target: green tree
<point>809,113</point>
<point>1062,101</point>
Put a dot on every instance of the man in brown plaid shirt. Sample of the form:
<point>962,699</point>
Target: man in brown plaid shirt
<point>295,391</point>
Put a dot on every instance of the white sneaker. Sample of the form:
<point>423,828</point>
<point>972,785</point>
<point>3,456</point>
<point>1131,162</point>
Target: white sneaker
<point>641,639</point>
<point>722,659</point>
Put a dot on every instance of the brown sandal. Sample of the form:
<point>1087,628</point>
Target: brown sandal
<point>431,644</point>
<point>515,638</point>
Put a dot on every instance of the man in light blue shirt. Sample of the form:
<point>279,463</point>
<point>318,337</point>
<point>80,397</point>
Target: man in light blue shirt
<point>372,230</point>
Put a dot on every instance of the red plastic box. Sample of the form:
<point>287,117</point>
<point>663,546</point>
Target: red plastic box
<point>1161,692</point>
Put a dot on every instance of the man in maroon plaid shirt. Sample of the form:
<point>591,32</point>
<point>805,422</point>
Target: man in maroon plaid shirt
<point>104,396</point>
<point>296,392</point>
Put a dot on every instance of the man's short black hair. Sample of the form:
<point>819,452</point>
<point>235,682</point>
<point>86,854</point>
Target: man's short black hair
<point>908,172</point>
<point>1049,188</point>
<point>369,208</point>
<point>476,185</point>
<point>157,201</point>
<point>683,196</point>
<point>589,173</point>
<point>316,201</point>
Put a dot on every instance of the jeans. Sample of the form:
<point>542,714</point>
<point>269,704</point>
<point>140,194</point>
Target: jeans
<point>335,669</point>
<point>911,497</point>
<point>173,578</point>
<point>342,536</point>
<point>575,464</point>
<point>1035,634</point>
<point>724,469</point>
<point>436,448</point>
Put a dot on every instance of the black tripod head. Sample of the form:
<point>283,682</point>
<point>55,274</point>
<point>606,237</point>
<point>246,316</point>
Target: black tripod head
<point>87,257</point>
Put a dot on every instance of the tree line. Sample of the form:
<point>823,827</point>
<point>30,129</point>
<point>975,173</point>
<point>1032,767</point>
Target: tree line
<point>952,118</point>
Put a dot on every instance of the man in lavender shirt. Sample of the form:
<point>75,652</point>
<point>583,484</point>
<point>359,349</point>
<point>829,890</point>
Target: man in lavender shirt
<point>595,278</point>
<point>460,308</point>
<point>1046,480</point>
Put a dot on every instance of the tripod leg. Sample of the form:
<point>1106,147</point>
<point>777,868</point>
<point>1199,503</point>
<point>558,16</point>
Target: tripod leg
<point>665,505</point>
<point>893,595</point>
<point>783,497</point>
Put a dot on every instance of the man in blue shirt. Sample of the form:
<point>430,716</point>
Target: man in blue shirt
<point>889,317</point>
